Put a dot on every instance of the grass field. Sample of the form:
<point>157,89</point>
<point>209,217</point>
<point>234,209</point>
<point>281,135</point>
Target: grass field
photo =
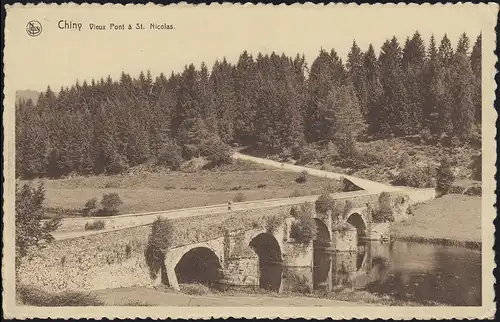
<point>451,219</point>
<point>162,191</point>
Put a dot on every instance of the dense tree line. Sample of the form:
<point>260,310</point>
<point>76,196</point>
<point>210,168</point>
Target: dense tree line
<point>275,102</point>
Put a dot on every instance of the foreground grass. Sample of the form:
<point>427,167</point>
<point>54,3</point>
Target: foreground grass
<point>175,190</point>
<point>449,220</point>
<point>33,296</point>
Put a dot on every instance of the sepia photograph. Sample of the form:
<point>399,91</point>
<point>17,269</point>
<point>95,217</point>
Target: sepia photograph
<point>249,160</point>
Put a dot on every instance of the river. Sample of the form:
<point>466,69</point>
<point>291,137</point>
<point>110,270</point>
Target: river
<point>421,273</point>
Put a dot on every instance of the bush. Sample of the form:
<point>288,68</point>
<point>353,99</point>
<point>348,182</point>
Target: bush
<point>117,164</point>
<point>384,211</point>
<point>332,188</point>
<point>239,197</point>
<point>299,193</point>
<point>417,177</point>
<point>445,176</point>
<point>405,161</point>
<point>474,191</point>
<point>299,284</point>
<point>190,151</point>
<point>273,223</point>
<point>219,153</point>
<point>170,155</point>
<point>160,239</point>
<point>90,207</point>
<point>194,289</point>
<point>30,295</point>
<point>307,155</point>
<point>458,190</point>
<point>302,178</point>
<point>477,167</point>
<point>95,225</point>
<point>303,229</point>
<point>324,203</point>
<point>110,203</point>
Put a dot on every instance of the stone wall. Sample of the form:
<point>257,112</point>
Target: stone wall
<point>345,240</point>
<point>108,260</point>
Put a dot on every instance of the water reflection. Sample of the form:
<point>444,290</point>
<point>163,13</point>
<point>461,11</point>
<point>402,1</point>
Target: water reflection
<point>406,271</point>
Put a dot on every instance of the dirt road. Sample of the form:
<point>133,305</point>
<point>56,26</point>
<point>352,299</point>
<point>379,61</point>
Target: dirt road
<point>368,185</point>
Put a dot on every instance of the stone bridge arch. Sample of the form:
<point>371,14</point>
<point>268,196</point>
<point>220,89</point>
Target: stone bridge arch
<point>200,262</point>
<point>323,236</point>
<point>358,219</point>
<point>268,250</point>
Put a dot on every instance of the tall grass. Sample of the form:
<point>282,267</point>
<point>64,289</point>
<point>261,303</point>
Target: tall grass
<point>34,296</point>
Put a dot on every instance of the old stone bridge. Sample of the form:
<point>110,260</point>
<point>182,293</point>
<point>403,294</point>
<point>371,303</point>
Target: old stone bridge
<point>265,258</point>
<point>237,248</point>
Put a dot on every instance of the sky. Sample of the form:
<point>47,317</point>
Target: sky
<point>58,57</point>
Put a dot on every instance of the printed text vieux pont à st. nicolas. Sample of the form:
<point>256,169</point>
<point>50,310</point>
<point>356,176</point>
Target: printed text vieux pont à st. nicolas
<point>71,25</point>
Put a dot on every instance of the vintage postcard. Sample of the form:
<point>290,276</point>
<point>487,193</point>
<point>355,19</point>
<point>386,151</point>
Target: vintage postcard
<point>228,160</point>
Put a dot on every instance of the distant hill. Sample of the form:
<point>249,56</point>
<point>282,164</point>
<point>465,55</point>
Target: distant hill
<point>27,94</point>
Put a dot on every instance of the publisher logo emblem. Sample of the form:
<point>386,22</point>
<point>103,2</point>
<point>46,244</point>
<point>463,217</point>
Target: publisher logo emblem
<point>34,28</point>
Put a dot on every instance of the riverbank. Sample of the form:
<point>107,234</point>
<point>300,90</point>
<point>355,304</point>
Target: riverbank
<point>448,220</point>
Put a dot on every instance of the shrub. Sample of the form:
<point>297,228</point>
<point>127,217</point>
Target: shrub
<point>90,207</point>
<point>477,167</point>
<point>110,203</point>
<point>307,155</point>
<point>303,228</point>
<point>299,193</point>
<point>456,190</point>
<point>160,239</point>
<point>474,191</point>
<point>219,153</point>
<point>29,212</point>
<point>332,188</point>
<point>261,185</point>
<point>445,176</point>
<point>273,223</point>
<point>95,225</point>
<point>239,197</point>
<point>195,289</point>
<point>30,295</point>
<point>189,151</point>
<point>417,177</point>
<point>405,161</point>
<point>299,284</point>
<point>170,155</point>
<point>117,164</point>
<point>302,178</point>
<point>324,203</point>
<point>384,211</point>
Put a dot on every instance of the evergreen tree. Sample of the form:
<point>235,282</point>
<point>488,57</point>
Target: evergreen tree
<point>356,75</point>
<point>462,92</point>
<point>476,57</point>
<point>374,90</point>
<point>394,115</point>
